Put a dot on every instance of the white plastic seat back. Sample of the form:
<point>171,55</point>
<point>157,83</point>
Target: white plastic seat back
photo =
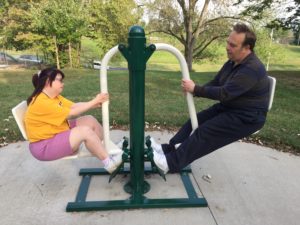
<point>272,86</point>
<point>19,114</point>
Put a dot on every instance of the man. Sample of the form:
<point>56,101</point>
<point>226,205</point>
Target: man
<point>241,87</point>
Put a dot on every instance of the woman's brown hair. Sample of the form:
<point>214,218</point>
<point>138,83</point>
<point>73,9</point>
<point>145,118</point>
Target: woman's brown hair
<point>39,81</point>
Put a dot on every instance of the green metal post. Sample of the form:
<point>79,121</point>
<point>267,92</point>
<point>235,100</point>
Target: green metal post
<point>137,55</point>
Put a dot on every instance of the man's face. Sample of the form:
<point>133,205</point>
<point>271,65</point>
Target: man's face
<point>235,51</point>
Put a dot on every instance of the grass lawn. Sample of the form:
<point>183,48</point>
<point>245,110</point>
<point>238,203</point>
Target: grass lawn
<point>165,105</point>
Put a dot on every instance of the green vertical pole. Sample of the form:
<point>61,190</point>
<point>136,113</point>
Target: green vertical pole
<point>137,55</point>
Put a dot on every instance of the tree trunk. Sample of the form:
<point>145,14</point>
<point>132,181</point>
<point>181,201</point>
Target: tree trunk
<point>188,14</point>
<point>78,52</point>
<point>191,35</point>
<point>56,53</point>
<point>188,55</point>
<point>70,55</point>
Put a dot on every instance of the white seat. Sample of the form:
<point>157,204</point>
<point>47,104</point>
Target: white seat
<point>272,86</point>
<point>19,114</point>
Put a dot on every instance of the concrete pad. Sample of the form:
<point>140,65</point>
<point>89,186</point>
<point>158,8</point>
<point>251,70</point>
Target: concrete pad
<point>249,185</point>
<point>34,192</point>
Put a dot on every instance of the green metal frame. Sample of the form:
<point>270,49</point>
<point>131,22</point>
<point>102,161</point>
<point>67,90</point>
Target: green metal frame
<point>81,204</point>
<point>137,55</point>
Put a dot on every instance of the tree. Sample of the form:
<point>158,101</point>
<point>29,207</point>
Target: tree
<point>16,30</point>
<point>56,27</point>
<point>288,13</point>
<point>194,25</point>
<point>62,21</point>
<point>110,20</point>
<point>14,19</point>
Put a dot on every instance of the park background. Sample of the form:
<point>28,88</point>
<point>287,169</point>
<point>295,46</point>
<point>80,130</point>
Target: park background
<point>72,34</point>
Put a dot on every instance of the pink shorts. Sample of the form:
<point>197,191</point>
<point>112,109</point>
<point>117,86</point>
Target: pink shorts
<point>53,148</point>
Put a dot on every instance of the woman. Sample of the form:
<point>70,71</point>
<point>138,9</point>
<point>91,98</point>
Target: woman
<point>51,128</point>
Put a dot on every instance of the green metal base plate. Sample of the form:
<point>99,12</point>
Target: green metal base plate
<point>81,204</point>
<point>128,187</point>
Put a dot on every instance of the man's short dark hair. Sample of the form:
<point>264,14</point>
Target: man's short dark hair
<point>250,37</point>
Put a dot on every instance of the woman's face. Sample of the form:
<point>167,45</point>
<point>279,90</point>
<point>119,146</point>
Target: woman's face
<point>57,84</point>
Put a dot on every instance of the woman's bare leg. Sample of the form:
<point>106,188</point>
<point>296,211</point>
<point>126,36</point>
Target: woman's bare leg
<point>92,123</point>
<point>89,131</point>
<point>91,139</point>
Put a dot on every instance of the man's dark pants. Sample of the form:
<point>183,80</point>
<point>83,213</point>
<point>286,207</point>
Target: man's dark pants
<point>217,127</point>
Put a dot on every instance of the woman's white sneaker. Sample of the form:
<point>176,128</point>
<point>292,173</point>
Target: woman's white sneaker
<point>114,161</point>
<point>111,166</point>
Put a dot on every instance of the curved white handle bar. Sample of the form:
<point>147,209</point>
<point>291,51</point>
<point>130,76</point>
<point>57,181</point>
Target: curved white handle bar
<point>185,75</point>
<point>110,146</point>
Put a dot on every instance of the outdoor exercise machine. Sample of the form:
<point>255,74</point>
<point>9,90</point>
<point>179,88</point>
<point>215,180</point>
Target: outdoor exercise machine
<point>134,151</point>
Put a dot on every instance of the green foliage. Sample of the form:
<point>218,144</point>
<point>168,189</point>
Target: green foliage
<point>288,17</point>
<point>35,24</point>
<point>14,19</point>
<point>62,19</point>
<point>110,21</point>
<point>213,53</point>
<point>266,49</point>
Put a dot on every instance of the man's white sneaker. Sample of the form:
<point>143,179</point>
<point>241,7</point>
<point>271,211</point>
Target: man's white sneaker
<point>161,161</point>
<point>156,147</point>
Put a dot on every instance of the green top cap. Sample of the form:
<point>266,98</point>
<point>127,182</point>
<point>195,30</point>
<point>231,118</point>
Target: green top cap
<point>136,31</point>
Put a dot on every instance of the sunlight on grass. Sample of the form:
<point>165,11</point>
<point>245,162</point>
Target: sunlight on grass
<point>3,80</point>
<point>162,57</point>
<point>290,59</point>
